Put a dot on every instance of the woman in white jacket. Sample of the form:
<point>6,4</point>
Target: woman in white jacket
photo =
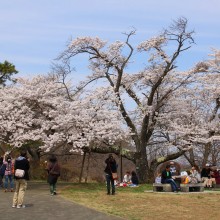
<point>194,175</point>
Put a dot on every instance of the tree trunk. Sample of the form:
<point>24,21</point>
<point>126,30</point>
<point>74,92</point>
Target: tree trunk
<point>87,168</point>
<point>206,154</point>
<point>141,163</point>
<point>81,172</point>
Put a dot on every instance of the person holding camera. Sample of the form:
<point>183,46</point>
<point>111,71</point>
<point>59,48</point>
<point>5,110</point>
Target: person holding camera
<point>9,172</point>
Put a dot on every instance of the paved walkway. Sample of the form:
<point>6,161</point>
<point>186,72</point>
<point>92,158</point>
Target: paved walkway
<point>42,206</point>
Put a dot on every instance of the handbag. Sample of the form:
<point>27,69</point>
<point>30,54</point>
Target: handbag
<point>19,173</point>
<point>114,176</point>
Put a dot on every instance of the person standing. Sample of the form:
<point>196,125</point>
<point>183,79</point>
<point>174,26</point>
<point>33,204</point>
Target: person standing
<point>8,176</point>
<point>21,163</point>
<point>53,170</point>
<point>111,167</point>
<point>2,171</point>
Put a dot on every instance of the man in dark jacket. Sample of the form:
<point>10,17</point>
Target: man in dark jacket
<point>166,177</point>
<point>21,182</point>
<point>111,167</point>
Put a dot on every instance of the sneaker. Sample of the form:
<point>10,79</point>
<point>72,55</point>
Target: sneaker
<point>54,193</point>
<point>14,206</point>
<point>21,206</point>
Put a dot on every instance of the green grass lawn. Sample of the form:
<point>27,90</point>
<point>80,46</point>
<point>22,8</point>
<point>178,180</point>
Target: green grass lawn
<point>141,203</point>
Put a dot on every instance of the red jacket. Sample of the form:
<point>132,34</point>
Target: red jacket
<point>216,175</point>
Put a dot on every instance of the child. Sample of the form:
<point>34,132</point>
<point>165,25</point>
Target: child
<point>158,178</point>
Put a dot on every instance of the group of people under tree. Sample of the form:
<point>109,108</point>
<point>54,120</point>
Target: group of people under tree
<point>130,179</point>
<point>209,176</point>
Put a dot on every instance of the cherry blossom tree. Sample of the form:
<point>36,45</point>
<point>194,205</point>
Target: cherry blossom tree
<point>160,112</point>
<point>206,98</point>
<point>151,90</point>
<point>41,110</point>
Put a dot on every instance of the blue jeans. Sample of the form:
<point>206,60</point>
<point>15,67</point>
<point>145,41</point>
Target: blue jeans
<point>109,180</point>
<point>10,179</point>
<point>172,183</point>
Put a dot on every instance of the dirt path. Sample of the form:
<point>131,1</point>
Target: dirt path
<point>42,206</point>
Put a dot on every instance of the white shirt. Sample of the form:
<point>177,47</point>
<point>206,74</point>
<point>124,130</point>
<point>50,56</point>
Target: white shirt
<point>127,178</point>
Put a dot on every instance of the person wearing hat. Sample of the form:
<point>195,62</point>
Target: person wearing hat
<point>205,175</point>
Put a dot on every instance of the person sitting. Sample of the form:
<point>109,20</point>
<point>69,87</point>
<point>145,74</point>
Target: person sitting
<point>127,178</point>
<point>185,177</point>
<point>158,178</point>
<point>216,174</point>
<point>134,179</point>
<point>194,175</point>
<point>175,173</point>
<point>205,175</point>
<point>167,178</point>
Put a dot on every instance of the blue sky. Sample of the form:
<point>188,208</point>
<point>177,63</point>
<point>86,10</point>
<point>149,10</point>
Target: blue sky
<point>33,33</point>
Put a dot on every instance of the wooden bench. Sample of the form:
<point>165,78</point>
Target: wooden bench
<point>159,187</point>
<point>192,187</point>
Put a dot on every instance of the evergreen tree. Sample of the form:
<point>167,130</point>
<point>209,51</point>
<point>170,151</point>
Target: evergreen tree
<point>6,71</point>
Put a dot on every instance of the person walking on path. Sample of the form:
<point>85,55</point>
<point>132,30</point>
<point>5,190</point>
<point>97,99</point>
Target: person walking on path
<point>9,171</point>
<point>21,163</point>
<point>53,170</point>
<point>111,167</point>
